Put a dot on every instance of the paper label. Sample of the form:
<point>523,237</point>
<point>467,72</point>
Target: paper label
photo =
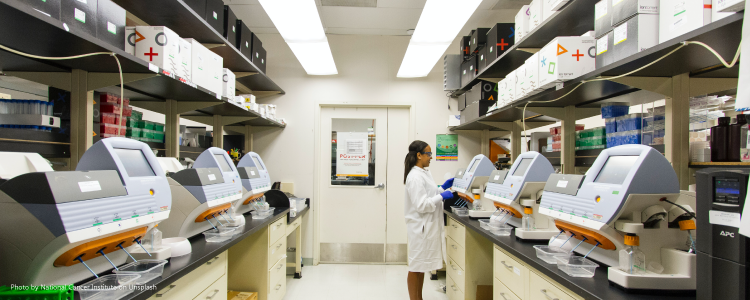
<point>80,15</point>
<point>82,1</point>
<point>211,177</point>
<point>562,183</point>
<point>111,28</point>
<point>497,177</point>
<point>517,271</point>
<point>724,218</point>
<point>89,186</point>
<point>233,29</point>
<point>600,10</point>
<point>252,173</point>
<point>153,68</point>
<point>621,33</point>
<point>679,14</point>
<point>602,45</point>
<point>216,16</point>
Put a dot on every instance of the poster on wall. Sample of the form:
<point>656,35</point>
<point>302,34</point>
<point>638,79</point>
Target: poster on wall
<point>447,147</point>
<point>352,154</point>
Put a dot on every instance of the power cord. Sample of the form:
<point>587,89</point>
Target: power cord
<point>683,44</point>
<point>119,67</point>
<point>692,214</point>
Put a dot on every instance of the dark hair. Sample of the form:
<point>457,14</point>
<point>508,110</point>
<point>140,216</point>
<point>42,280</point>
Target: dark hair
<point>411,158</point>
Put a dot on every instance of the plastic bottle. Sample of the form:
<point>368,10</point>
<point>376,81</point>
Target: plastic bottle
<point>527,222</point>
<point>735,136</point>
<point>632,259</point>
<point>153,239</point>
<point>719,140</point>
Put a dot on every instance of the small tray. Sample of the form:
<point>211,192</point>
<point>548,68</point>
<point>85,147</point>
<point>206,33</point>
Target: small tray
<point>548,253</point>
<point>212,236</point>
<point>484,223</point>
<point>502,230</point>
<point>461,211</point>
<point>108,287</point>
<point>576,266</point>
<point>261,214</point>
<point>149,269</point>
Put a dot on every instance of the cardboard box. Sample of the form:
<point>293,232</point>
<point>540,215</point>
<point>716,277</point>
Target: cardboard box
<point>535,14</point>
<point>110,23</point>
<point>532,71</point>
<point>724,6</point>
<point>160,46</point>
<point>207,67</point>
<point>484,90</point>
<point>589,34</point>
<point>475,110</point>
<point>245,40</point>
<point>478,39</point>
<point>511,80</point>
<point>500,39</point>
<point>522,23</point>
<point>717,14</point>
<point>483,59</point>
<point>521,82</point>
<point>565,58</point>
<point>502,92</point>
<point>50,8</point>
<point>130,39</point>
<point>554,5</point>
<point>256,47</point>
<point>232,295</point>
<point>465,72</point>
<point>464,45</point>
<point>215,15</point>
<point>230,26</point>
<point>79,15</point>
<point>198,6</point>
<point>547,12</point>
<point>604,50</point>
<point>473,62</point>
<point>623,10</point>
<point>462,102</point>
<point>635,35</point>
<point>602,17</point>
<point>186,59</point>
<point>679,17</point>
<point>260,59</point>
<point>228,84</point>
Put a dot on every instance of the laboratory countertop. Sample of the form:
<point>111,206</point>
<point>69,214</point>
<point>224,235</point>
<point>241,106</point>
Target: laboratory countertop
<point>202,253</point>
<point>300,214</point>
<point>597,287</point>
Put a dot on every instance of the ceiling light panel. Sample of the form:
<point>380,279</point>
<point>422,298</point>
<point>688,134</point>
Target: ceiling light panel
<point>350,3</point>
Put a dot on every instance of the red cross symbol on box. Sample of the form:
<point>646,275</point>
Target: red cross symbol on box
<point>151,54</point>
<point>578,55</point>
<point>502,44</point>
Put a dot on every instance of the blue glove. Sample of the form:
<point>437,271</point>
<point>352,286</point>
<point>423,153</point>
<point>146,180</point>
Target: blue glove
<point>448,184</point>
<point>446,195</point>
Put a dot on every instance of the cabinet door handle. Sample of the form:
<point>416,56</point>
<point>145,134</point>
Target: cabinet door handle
<point>212,295</point>
<point>280,266</point>
<point>212,261</point>
<point>506,266</point>
<point>545,295</point>
<point>454,247</point>
<point>279,225</point>
<point>278,286</point>
<point>279,246</point>
<point>453,286</point>
<point>503,295</point>
<point>171,286</point>
<point>454,226</point>
<point>453,266</point>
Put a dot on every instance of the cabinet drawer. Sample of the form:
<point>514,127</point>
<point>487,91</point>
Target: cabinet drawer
<point>456,252</point>
<point>196,281</point>
<point>276,251</point>
<point>457,273</point>
<point>278,290</point>
<point>276,230</point>
<point>541,289</point>
<point>452,290</point>
<point>510,272</point>
<point>457,231</point>
<point>217,291</point>
<point>276,273</point>
<point>502,292</point>
<point>294,225</point>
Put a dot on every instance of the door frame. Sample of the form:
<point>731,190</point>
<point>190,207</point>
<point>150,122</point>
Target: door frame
<point>317,163</point>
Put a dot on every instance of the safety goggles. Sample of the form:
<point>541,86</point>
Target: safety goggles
<point>427,153</point>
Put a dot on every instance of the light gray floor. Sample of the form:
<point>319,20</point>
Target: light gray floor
<point>358,282</point>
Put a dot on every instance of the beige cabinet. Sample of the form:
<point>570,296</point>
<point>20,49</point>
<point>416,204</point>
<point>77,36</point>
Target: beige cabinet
<point>200,283</point>
<point>514,280</point>
<point>469,261</point>
<point>257,263</point>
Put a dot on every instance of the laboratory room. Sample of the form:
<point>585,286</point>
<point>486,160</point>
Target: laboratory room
<point>228,150</point>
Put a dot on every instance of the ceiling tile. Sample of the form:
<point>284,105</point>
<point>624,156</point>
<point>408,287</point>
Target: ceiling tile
<point>388,18</point>
<point>401,3</point>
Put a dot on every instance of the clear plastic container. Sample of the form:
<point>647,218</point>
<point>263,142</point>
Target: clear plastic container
<point>484,223</point>
<point>261,214</point>
<point>461,212</point>
<point>149,269</point>
<point>453,208</point>
<point>501,230</point>
<point>108,287</point>
<point>576,266</point>
<point>549,253</point>
<point>213,236</point>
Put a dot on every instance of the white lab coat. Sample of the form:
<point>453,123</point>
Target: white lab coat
<point>424,223</point>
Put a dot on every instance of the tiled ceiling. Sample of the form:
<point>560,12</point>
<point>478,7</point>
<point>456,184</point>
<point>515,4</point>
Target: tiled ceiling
<point>388,17</point>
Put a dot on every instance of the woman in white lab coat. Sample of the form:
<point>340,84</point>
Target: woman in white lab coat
<point>424,211</point>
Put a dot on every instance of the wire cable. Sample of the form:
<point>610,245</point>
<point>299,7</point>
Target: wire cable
<point>682,44</point>
<point>692,214</point>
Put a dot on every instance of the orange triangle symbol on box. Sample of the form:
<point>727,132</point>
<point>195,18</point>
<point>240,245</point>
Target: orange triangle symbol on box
<point>491,98</point>
<point>140,36</point>
<point>94,132</point>
<point>561,49</point>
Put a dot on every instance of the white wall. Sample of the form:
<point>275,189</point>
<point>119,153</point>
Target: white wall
<point>367,67</point>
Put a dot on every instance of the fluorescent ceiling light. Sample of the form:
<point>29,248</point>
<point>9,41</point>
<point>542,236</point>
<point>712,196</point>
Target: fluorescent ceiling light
<point>299,24</point>
<point>439,24</point>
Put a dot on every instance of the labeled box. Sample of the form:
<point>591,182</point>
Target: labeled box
<point>245,40</point>
<point>51,8</point>
<point>532,73</point>
<point>260,59</point>
<point>680,17</point>
<point>473,62</point>
<point>482,64</point>
<point>228,84</point>
<point>215,14</point>
<point>230,26</point>
<point>464,45</point>
<point>130,39</point>
<point>623,10</point>
<point>462,101</point>
<point>465,72</point>
<point>484,90</point>
<point>602,17</point>
<point>160,46</point>
<point>724,6</point>
<point>554,5</point>
<point>478,39</point>
<point>717,14</point>
<point>547,12</point>
<point>521,78</point>
<point>198,6</point>
<point>499,39</point>
<point>110,23</point>
<point>511,80</point>
<point>207,67</point>
<point>604,50</point>
<point>566,58</point>
<point>535,14</point>
<point>502,92</point>
<point>635,35</point>
<point>522,23</point>
<point>186,59</point>
<point>475,110</point>
<point>79,15</point>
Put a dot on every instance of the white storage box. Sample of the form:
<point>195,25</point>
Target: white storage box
<point>186,60</point>
<point>604,51</point>
<point>521,82</point>
<point>547,12</point>
<point>725,6</point>
<point>532,71</point>
<point>565,58</point>
<point>207,67</point>
<point>130,40</point>
<point>159,46</point>
<point>228,84</point>
<point>511,80</point>
<point>635,35</point>
<point>502,91</point>
<point>535,14</point>
<point>554,5</point>
<point>623,10</point>
<point>677,17</point>
<point>522,23</point>
<point>716,13</point>
<point>454,120</point>
<point>602,17</point>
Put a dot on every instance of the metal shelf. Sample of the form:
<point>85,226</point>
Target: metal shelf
<point>179,17</point>
<point>505,114</point>
<point>701,165</point>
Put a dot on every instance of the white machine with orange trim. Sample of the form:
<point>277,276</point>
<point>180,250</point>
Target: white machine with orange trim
<point>203,195</point>
<point>255,181</point>
<point>55,227</point>
<point>518,190</point>
<point>624,199</point>
<point>473,178</point>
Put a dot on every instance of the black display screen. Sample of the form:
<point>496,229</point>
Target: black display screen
<point>724,186</point>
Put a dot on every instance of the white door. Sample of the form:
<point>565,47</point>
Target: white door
<point>361,196</point>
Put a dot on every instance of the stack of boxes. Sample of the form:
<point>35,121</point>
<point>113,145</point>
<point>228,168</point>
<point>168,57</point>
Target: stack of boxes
<point>478,101</point>
<point>110,122</point>
<point>654,125</point>
<point>554,142</point>
<point>590,139</point>
<point>624,28</point>
<point>145,131</point>
<point>621,128</point>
